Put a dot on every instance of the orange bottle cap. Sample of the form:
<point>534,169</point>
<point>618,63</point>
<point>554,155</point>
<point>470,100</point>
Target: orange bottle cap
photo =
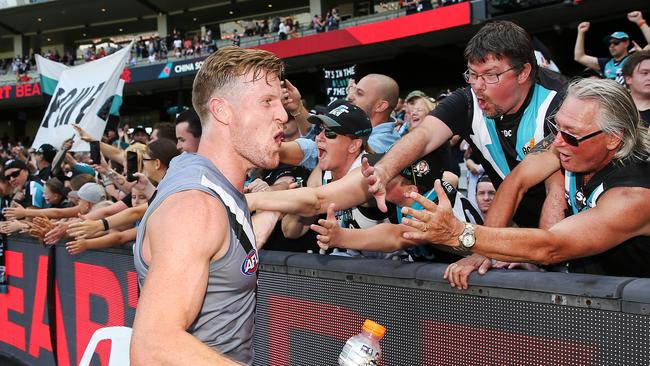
<point>373,328</point>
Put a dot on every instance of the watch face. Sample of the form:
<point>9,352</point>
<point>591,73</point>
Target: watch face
<point>468,240</point>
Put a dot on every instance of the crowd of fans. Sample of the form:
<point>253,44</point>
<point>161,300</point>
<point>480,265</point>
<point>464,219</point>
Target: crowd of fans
<point>178,45</point>
<point>54,194</point>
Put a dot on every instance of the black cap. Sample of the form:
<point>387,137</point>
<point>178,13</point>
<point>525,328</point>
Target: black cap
<point>139,128</point>
<point>48,151</point>
<point>423,172</point>
<point>344,119</point>
<point>15,163</point>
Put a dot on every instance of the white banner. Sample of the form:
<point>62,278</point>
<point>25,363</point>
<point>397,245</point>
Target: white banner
<point>79,95</point>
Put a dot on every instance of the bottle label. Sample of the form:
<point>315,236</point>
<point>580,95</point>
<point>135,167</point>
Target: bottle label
<point>358,354</point>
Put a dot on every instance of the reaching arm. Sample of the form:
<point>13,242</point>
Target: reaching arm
<point>588,233</point>
<point>429,135</point>
<point>263,225</point>
<point>88,228</point>
<point>382,237</point>
<point>349,191</point>
<point>51,213</point>
<point>106,241</point>
<point>291,153</point>
<point>579,50</point>
<point>175,286</point>
<point>534,169</point>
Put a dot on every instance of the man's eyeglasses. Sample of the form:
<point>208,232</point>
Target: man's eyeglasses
<point>488,78</point>
<point>147,159</point>
<point>569,138</point>
<point>13,175</point>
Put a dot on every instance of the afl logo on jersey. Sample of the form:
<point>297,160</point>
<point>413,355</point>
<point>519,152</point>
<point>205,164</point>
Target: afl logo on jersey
<point>249,266</point>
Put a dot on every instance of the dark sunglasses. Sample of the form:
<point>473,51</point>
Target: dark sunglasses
<point>13,175</point>
<point>569,138</point>
<point>328,133</point>
<point>615,43</point>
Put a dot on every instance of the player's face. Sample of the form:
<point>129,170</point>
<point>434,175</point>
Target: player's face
<point>257,134</point>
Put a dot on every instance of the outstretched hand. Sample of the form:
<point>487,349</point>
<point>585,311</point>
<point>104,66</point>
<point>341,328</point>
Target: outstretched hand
<point>329,231</point>
<point>435,223</point>
<point>82,133</point>
<point>376,183</point>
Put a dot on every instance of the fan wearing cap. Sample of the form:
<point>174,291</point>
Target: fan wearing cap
<point>387,237</point>
<point>619,45</point>
<point>44,157</point>
<point>342,138</point>
<point>29,191</point>
<point>140,134</point>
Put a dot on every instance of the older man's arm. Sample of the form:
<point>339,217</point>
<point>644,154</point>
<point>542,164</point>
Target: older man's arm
<point>587,233</point>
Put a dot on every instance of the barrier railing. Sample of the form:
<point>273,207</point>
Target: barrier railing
<point>308,305</point>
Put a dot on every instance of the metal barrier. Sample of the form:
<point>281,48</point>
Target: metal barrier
<point>308,305</point>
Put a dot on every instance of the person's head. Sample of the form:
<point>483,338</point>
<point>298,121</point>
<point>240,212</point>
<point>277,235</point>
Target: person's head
<point>89,195</point>
<point>636,72</point>
<point>140,134</point>
<point>165,130</point>
<point>343,133</point>
<point>45,155</point>
<point>237,96</point>
<point>420,109</point>
<point>138,198</point>
<point>597,123</point>
<point>156,158</point>
<point>54,191</point>
<point>377,95</point>
<point>5,187</point>
<point>501,67</point>
<point>188,131</point>
<point>79,180</point>
<point>290,129</point>
<point>139,149</point>
<point>619,43</point>
<point>484,193</point>
<point>16,172</point>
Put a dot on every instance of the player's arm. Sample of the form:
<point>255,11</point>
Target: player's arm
<point>175,286</point>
